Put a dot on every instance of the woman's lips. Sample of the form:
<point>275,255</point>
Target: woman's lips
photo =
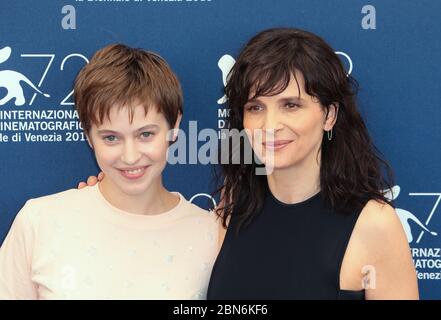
<point>133,173</point>
<point>277,144</point>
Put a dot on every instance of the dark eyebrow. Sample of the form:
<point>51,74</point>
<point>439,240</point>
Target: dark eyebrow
<point>147,127</point>
<point>253,100</point>
<point>106,131</point>
<point>291,99</point>
<point>284,100</point>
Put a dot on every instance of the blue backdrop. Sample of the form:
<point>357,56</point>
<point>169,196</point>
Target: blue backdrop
<point>392,47</point>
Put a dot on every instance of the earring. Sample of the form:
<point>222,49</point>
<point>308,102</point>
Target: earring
<point>329,135</point>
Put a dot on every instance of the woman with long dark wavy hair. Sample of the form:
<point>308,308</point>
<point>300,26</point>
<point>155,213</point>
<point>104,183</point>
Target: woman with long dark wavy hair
<point>317,225</point>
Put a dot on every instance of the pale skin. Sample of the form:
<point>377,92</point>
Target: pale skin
<point>378,243</point>
<point>378,248</point>
<point>132,156</point>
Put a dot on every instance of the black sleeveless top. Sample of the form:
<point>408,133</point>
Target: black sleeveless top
<point>288,251</point>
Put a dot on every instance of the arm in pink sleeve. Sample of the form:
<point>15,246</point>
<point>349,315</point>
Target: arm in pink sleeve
<point>16,258</point>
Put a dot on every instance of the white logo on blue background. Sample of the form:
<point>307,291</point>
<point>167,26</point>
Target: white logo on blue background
<point>11,81</point>
<point>226,63</point>
<point>406,216</point>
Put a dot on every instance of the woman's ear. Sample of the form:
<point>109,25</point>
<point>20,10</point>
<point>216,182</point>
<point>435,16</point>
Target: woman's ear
<point>176,127</point>
<point>331,116</point>
<point>89,141</point>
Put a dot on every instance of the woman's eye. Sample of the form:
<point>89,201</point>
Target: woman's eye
<point>146,134</point>
<point>253,108</point>
<point>291,105</point>
<point>110,138</point>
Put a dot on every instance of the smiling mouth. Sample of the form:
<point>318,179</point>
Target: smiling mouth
<point>133,173</point>
<point>276,145</point>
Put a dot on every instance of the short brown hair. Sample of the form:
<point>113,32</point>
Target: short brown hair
<point>120,75</point>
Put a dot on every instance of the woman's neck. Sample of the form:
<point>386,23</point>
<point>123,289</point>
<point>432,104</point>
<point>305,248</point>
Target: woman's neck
<point>295,184</point>
<point>155,200</point>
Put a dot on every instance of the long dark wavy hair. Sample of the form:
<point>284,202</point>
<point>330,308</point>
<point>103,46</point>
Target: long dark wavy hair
<point>352,170</point>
